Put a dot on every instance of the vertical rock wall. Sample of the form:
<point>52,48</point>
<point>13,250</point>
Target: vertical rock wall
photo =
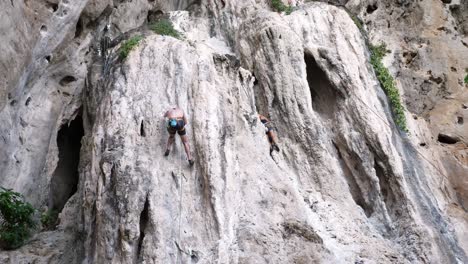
<point>346,186</point>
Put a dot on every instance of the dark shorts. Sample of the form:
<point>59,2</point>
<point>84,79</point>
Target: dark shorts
<point>269,127</point>
<point>180,128</point>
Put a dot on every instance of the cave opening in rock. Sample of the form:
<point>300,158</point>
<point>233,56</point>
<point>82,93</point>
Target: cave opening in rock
<point>447,139</point>
<point>67,80</point>
<point>323,94</point>
<point>371,8</point>
<point>144,217</point>
<point>154,15</point>
<point>64,181</point>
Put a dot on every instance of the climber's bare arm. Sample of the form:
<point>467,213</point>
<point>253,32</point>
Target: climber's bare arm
<point>185,119</point>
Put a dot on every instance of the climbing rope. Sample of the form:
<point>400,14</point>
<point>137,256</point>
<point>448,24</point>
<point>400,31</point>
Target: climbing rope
<point>180,206</point>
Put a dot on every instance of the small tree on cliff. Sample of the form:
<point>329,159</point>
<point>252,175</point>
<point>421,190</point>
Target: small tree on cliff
<point>16,219</point>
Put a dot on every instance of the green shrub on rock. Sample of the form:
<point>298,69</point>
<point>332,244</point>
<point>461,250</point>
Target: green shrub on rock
<point>165,27</point>
<point>279,6</point>
<point>128,45</point>
<point>16,219</point>
<point>388,84</point>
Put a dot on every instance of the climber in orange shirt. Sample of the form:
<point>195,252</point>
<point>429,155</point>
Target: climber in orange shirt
<point>270,133</point>
<point>176,122</point>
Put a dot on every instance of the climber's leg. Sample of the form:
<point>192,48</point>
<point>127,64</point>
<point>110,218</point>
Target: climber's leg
<point>186,146</point>
<point>170,141</point>
<point>272,139</point>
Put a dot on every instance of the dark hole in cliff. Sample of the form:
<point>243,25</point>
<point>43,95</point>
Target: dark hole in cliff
<point>460,120</point>
<point>447,139</point>
<point>27,101</point>
<point>67,80</point>
<point>321,90</point>
<point>47,58</point>
<point>354,188</point>
<point>142,129</point>
<point>79,28</point>
<point>64,181</point>
<point>371,8</point>
<point>144,217</point>
<point>154,16</point>
<point>194,257</point>
<point>194,5</point>
<point>255,81</point>
<point>52,6</point>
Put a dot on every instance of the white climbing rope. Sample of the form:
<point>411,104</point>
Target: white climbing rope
<point>180,206</point>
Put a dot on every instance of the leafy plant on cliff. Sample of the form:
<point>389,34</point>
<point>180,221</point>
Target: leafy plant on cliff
<point>49,219</point>
<point>16,220</point>
<point>128,45</point>
<point>279,6</point>
<point>165,27</point>
<point>356,20</point>
<point>388,84</point>
<point>466,77</point>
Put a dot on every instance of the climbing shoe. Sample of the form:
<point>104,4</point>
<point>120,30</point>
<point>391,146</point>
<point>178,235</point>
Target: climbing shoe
<point>166,153</point>
<point>274,147</point>
<point>191,162</point>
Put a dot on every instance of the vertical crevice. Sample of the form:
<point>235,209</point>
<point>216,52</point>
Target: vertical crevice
<point>142,129</point>
<point>354,188</point>
<point>386,190</point>
<point>64,180</point>
<point>79,27</point>
<point>261,100</point>
<point>144,217</point>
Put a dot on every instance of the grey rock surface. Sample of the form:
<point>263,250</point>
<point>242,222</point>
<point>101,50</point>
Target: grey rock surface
<point>428,45</point>
<point>86,136</point>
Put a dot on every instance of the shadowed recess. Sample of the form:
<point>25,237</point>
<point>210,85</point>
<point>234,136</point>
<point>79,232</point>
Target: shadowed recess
<point>144,217</point>
<point>65,178</point>
<point>322,92</point>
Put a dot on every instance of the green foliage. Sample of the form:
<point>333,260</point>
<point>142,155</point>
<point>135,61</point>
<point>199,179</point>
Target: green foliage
<point>165,27</point>
<point>356,20</point>
<point>466,77</point>
<point>49,219</point>
<point>279,6</point>
<point>388,84</point>
<point>128,45</point>
<point>16,219</point>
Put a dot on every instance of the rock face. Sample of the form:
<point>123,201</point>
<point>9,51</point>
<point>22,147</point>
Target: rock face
<point>83,133</point>
<point>428,46</point>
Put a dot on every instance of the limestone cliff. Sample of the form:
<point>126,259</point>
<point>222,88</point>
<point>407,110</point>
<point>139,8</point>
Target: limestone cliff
<point>82,131</point>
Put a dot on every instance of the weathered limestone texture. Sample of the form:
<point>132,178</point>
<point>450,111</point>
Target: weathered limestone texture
<point>83,132</point>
